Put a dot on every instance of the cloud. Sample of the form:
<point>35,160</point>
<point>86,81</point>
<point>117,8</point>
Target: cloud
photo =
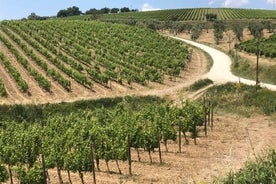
<point>147,7</point>
<point>270,1</point>
<point>211,2</point>
<point>235,3</point>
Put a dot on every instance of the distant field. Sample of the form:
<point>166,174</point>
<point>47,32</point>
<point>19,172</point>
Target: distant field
<point>195,14</point>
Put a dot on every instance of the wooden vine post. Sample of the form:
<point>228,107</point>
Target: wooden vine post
<point>205,121</point>
<point>212,116</point>
<point>179,136</point>
<point>93,164</point>
<point>159,148</point>
<point>129,154</point>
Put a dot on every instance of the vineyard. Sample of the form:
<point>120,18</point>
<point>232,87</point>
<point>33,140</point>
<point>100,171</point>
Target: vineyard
<point>193,14</point>
<point>87,53</point>
<point>267,46</point>
<point>73,142</point>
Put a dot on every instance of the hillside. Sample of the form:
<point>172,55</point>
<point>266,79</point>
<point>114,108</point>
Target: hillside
<point>195,14</point>
<point>69,60</point>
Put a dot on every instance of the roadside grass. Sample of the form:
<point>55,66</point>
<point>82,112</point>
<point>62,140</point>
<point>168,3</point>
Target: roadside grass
<point>247,69</point>
<point>260,170</point>
<point>200,84</point>
<point>242,99</point>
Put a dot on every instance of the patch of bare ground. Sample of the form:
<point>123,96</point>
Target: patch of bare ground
<point>232,141</point>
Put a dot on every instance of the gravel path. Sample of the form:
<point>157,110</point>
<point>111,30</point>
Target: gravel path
<point>221,71</point>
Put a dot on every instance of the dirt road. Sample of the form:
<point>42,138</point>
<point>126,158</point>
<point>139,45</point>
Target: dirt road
<point>221,69</point>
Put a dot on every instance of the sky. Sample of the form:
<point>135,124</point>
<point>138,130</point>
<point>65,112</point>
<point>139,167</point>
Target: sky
<point>17,9</point>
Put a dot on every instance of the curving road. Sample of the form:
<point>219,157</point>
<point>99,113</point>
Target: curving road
<point>221,71</point>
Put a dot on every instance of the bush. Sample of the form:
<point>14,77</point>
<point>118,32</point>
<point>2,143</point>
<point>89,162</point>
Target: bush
<point>263,170</point>
<point>34,175</point>
<point>3,174</point>
<point>200,84</point>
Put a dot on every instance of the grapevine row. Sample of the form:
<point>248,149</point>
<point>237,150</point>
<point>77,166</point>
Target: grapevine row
<point>68,142</point>
<point>42,82</point>
<point>3,91</point>
<point>39,61</point>
<point>82,79</point>
<point>14,73</point>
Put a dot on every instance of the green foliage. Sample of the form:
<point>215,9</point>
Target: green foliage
<point>4,176</point>
<point>256,29</point>
<point>3,92</point>
<point>200,84</point>
<point>243,99</point>
<point>267,46</point>
<point>13,71</point>
<point>219,28</point>
<point>196,31</point>
<point>245,68</point>
<point>264,99</point>
<point>34,175</point>
<point>66,141</point>
<point>211,16</point>
<point>238,30</point>
<point>71,11</point>
<point>262,170</point>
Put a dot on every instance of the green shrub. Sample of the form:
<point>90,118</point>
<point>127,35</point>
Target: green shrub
<point>263,170</point>
<point>200,84</point>
<point>34,175</point>
<point>3,174</point>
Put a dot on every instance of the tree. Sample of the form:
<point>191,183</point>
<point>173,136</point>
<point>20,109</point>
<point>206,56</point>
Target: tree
<point>92,11</point>
<point>211,16</point>
<point>62,13</point>
<point>238,30</point>
<point>33,16</point>
<point>105,10</point>
<point>71,11</point>
<point>256,29</point>
<point>114,10</point>
<point>268,25</point>
<point>125,9</point>
<point>219,28</point>
<point>196,31</point>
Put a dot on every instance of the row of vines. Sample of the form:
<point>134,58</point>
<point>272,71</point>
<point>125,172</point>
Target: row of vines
<point>267,46</point>
<point>90,52</point>
<point>3,91</point>
<point>82,140</point>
